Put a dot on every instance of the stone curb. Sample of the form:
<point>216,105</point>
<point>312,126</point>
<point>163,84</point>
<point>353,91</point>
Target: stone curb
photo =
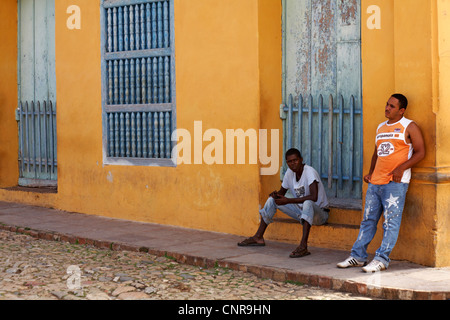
<point>276,274</point>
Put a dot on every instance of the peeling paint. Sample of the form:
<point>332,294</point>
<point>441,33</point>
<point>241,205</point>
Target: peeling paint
<point>348,11</point>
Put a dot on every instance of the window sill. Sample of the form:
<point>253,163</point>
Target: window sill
<point>33,189</point>
<point>140,162</point>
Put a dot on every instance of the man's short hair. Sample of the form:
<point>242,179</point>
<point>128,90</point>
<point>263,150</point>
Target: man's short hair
<point>293,151</point>
<point>402,99</point>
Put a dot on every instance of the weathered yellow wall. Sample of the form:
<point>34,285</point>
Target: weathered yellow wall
<point>270,61</point>
<point>398,58</point>
<point>8,93</point>
<point>442,39</point>
<point>413,75</point>
<point>221,95</point>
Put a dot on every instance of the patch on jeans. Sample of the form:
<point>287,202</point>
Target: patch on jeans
<point>392,201</point>
<point>360,236</point>
<point>366,216</point>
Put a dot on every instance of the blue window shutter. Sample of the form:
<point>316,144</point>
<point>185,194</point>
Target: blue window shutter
<point>36,112</point>
<point>138,81</point>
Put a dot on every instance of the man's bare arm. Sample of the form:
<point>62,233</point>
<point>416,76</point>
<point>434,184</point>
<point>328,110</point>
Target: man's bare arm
<point>276,194</point>
<point>314,192</point>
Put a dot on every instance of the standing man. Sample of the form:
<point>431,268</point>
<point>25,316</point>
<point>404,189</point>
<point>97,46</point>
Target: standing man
<point>308,206</point>
<point>399,146</point>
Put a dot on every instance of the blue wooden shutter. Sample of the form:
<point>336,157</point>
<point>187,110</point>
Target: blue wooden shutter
<point>36,112</point>
<point>138,81</point>
<point>322,100</point>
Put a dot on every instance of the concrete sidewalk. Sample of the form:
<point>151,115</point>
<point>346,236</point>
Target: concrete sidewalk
<point>403,280</point>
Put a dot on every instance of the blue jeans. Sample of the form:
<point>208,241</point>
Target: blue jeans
<point>390,199</point>
<point>310,212</point>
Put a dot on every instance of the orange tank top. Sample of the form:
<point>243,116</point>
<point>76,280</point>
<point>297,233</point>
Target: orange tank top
<point>392,151</point>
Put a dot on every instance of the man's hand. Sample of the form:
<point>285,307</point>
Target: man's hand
<point>397,174</point>
<point>281,200</point>
<point>274,194</point>
<point>367,178</point>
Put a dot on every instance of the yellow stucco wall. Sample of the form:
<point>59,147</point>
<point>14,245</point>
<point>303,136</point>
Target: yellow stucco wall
<point>8,93</point>
<point>408,55</point>
<point>441,14</point>
<point>228,75</point>
<point>397,58</point>
<point>221,95</point>
<point>270,64</point>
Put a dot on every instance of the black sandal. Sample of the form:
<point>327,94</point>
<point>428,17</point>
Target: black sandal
<point>250,242</point>
<point>298,253</point>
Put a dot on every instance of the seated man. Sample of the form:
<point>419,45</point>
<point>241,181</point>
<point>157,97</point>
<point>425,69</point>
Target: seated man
<point>308,206</point>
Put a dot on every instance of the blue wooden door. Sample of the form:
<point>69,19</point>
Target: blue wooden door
<point>36,112</point>
<point>322,109</point>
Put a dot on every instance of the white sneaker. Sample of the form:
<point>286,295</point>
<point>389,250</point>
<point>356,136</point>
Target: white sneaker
<point>374,266</point>
<point>351,262</point>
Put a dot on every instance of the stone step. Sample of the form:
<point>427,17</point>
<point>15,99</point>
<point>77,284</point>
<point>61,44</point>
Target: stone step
<point>330,235</point>
<point>341,214</point>
<point>340,232</point>
<point>345,216</point>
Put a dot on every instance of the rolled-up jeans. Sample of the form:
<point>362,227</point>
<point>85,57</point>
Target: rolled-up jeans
<point>309,212</point>
<point>390,199</point>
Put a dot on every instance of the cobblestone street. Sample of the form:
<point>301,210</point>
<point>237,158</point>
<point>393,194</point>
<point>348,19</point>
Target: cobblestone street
<point>34,269</point>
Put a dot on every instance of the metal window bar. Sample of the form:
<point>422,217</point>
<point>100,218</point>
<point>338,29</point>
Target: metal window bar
<point>140,26</point>
<point>139,114</point>
<point>332,145</point>
<point>37,143</point>
<point>139,134</point>
<point>139,81</point>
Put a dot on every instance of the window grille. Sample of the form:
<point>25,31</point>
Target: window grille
<point>138,76</point>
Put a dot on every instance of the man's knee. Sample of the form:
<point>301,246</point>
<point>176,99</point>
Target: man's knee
<point>308,205</point>
<point>270,203</point>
